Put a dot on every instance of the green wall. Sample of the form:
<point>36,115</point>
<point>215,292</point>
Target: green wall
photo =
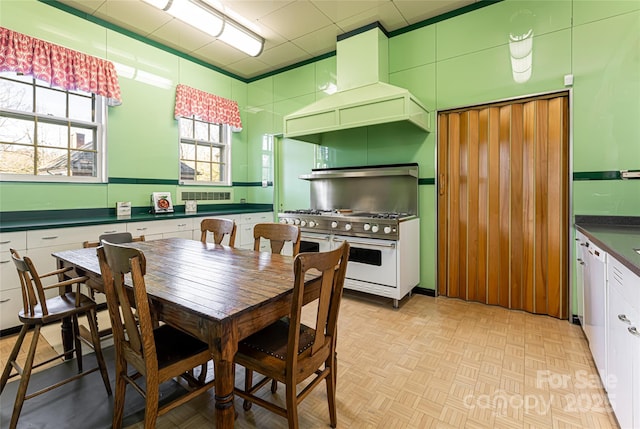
<point>460,61</point>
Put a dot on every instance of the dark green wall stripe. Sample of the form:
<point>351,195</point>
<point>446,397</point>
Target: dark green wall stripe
<point>248,184</point>
<point>130,181</point>
<point>427,181</point>
<point>596,175</point>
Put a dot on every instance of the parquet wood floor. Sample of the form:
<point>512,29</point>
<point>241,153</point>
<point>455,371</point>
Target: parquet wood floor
<point>439,363</point>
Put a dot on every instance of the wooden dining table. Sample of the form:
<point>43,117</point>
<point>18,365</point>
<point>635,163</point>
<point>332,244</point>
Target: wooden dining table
<point>216,293</point>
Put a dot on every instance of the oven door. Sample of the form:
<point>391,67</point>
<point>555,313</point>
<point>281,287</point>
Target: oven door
<point>371,260</point>
<point>314,242</point>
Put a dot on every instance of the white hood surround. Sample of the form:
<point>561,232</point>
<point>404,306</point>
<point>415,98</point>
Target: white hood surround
<point>364,96</point>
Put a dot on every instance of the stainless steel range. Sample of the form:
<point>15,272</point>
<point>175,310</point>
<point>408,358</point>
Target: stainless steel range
<point>375,210</point>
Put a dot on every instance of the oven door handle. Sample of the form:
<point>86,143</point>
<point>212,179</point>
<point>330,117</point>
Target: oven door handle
<point>325,238</point>
<point>362,243</point>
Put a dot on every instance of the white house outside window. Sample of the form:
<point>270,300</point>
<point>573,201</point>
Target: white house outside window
<point>49,133</point>
<point>205,152</point>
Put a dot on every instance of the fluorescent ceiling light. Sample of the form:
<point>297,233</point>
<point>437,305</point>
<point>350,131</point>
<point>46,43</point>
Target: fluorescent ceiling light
<point>240,38</point>
<point>205,18</point>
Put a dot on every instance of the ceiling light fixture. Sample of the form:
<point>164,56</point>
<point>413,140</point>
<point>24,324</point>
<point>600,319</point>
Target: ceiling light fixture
<point>205,18</point>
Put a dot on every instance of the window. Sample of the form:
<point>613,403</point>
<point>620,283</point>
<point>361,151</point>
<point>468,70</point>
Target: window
<point>205,152</point>
<point>49,133</point>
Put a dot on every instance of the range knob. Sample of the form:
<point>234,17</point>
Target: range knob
<point>366,227</point>
<point>312,224</point>
<point>303,222</point>
<point>283,220</point>
<point>334,224</point>
<point>296,221</point>
<point>387,229</point>
<point>375,228</point>
<point>347,227</point>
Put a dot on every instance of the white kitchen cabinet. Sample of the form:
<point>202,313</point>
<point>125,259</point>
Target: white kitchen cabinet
<point>10,291</point>
<point>165,228</point>
<point>595,306</point>
<point>623,343</point>
<point>580,251</point>
<point>244,235</point>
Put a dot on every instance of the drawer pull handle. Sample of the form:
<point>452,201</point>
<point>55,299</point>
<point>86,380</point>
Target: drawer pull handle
<point>5,242</point>
<point>4,262</point>
<point>633,331</point>
<point>52,237</point>
<point>2,301</point>
<point>141,229</point>
<point>182,224</point>
<point>109,232</point>
<point>623,318</point>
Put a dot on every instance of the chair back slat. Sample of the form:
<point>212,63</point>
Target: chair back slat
<point>115,238</point>
<point>219,227</point>
<point>332,266</point>
<point>277,234</point>
<point>32,289</point>
<point>115,262</point>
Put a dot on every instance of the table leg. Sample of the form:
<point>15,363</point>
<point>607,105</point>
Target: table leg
<point>224,382</point>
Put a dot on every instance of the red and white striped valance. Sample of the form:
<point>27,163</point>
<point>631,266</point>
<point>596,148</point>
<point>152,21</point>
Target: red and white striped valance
<point>207,107</point>
<point>58,66</point>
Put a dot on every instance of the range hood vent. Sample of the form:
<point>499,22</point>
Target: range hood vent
<point>364,97</point>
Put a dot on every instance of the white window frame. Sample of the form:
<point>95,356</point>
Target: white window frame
<point>100,126</point>
<point>225,144</point>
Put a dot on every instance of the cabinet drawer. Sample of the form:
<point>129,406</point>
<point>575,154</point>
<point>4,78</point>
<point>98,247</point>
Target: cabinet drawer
<point>159,226</point>
<point>13,240</point>
<point>10,305</point>
<point>77,235</point>
<point>253,218</point>
<point>8,275</point>
<point>626,282</point>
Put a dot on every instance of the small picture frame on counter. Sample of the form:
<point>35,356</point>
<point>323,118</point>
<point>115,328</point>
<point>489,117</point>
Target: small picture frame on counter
<point>123,209</point>
<point>161,202</point>
<point>190,206</point>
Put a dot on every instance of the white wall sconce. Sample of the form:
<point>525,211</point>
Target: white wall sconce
<point>202,16</point>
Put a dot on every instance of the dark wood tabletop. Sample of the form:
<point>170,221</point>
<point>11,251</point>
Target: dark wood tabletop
<point>216,293</point>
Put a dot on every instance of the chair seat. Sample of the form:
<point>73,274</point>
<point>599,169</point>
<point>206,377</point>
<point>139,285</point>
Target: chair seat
<point>173,345</point>
<point>267,348</point>
<point>58,307</point>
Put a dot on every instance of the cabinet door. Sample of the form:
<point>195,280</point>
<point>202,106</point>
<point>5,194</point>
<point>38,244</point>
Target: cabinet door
<point>619,365</point>
<point>634,338</point>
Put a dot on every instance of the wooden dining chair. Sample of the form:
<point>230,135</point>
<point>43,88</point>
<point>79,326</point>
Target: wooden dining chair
<point>115,237</point>
<point>291,352</point>
<point>219,227</point>
<point>156,353</point>
<point>38,310</point>
<point>277,234</point>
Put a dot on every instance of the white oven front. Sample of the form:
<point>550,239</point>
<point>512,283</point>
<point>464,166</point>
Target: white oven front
<point>370,260</point>
<point>314,242</point>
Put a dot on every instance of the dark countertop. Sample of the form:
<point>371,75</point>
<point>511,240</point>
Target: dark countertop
<point>618,236</point>
<point>24,221</point>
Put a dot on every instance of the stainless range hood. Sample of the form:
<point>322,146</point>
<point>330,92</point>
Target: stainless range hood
<point>364,97</point>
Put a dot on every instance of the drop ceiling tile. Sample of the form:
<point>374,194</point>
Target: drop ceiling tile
<point>183,37</point>
<point>416,11</point>
<point>248,67</point>
<point>386,14</point>
<point>284,55</point>
<point>137,16</point>
<point>320,41</point>
<point>252,10</point>
<point>295,20</point>
<point>219,53</point>
<point>340,10</point>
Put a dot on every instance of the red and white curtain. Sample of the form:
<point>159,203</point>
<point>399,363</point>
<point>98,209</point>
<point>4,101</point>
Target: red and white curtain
<point>207,107</point>
<point>58,66</point>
